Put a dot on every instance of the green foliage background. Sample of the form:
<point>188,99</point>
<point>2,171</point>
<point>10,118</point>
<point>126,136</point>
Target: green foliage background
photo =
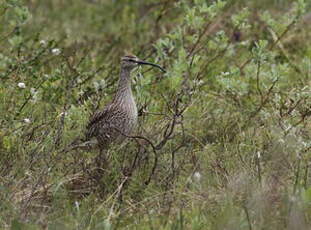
<point>226,130</point>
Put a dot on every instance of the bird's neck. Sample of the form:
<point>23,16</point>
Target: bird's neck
<point>124,90</point>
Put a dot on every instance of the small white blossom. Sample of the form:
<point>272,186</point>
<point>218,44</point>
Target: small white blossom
<point>34,94</point>
<point>27,120</point>
<point>197,176</point>
<point>33,91</point>
<point>200,82</point>
<point>258,154</point>
<point>43,42</point>
<point>77,205</point>
<point>225,73</point>
<point>56,51</point>
<point>244,43</point>
<point>151,211</point>
<point>63,114</point>
<point>21,85</point>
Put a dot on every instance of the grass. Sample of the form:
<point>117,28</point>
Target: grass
<point>223,140</point>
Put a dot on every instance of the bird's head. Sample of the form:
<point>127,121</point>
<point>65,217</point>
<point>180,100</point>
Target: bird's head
<point>131,61</point>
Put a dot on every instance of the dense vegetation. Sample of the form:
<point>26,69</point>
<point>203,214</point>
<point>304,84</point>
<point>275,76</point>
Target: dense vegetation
<point>224,135</point>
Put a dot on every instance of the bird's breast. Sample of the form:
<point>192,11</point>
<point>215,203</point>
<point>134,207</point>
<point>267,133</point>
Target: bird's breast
<point>131,112</point>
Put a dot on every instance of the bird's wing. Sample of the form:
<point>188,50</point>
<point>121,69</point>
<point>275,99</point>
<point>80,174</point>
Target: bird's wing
<point>97,120</point>
<point>106,122</point>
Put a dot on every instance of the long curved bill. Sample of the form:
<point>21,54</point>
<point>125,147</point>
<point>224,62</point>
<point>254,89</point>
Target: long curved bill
<point>140,62</point>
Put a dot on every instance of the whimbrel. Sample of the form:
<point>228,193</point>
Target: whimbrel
<point>118,118</point>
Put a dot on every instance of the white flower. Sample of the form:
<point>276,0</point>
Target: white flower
<point>258,154</point>
<point>34,94</point>
<point>225,73</point>
<point>56,51</point>
<point>63,114</point>
<point>43,42</point>
<point>21,85</point>
<point>200,82</point>
<point>33,91</point>
<point>197,176</point>
<point>77,205</point>
<point>27,120</point>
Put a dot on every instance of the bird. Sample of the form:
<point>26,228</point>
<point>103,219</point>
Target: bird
<point>117,119</point>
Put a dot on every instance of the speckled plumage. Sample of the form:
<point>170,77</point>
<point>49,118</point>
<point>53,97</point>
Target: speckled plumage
<point>112,124</point>
<point>118,119</point>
